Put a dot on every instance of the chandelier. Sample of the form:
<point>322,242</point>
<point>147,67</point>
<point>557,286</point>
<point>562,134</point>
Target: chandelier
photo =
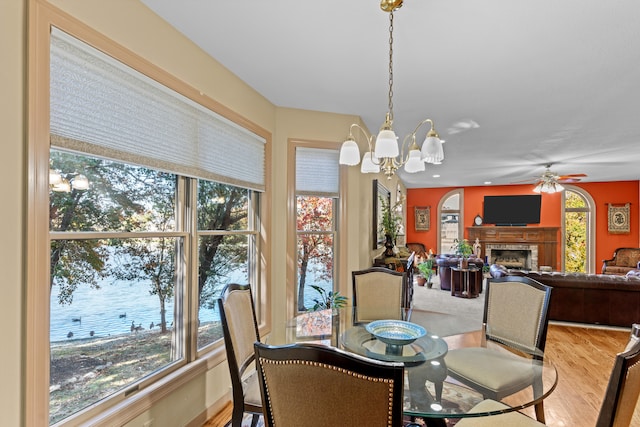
<point>385,155</point>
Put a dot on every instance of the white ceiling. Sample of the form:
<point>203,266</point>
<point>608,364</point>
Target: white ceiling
<point>547,81</point>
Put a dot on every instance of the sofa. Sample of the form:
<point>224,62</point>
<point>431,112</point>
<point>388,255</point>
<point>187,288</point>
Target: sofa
<point>602,299</point>
<point>623,261</point>
<point>445,262</point>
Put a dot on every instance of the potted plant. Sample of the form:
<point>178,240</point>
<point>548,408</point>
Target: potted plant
<point>328,299</point>
<point>426,272</point>
<point>463,249</point>
<point>390,224</point>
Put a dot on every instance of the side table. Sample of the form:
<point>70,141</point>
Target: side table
<point>464,287</point>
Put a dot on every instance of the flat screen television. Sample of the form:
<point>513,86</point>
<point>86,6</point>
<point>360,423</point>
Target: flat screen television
<point>512,210</point>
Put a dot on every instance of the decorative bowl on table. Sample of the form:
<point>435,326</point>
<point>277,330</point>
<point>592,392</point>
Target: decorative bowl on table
<point>395,332</point>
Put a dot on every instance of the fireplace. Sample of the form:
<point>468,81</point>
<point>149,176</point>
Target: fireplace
<point>526,248</point>
<point>520,257</point>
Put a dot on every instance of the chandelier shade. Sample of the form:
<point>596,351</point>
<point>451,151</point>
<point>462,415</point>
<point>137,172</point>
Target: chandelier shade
<point>368,164</point>
<point>387,144</point>
<point>432,151</point>
<point>349,153</point>
<point>385,154</point>
<point>414,162</point>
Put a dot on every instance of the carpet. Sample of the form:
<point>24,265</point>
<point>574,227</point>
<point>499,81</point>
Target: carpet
<point>444,314</point>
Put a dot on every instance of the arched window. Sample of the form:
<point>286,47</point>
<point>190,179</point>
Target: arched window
<point>577,230</point>
<point>450,214</point>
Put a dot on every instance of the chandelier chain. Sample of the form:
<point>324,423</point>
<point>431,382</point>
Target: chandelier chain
<point>391,65</point>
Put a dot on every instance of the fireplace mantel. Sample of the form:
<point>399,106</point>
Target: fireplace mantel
<point>546,238</point>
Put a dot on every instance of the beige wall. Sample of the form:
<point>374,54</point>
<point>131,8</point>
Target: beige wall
<point>12,124</point>
<point>132,25</point>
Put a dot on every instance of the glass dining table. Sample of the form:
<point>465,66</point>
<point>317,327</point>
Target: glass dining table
<point>429,392</point>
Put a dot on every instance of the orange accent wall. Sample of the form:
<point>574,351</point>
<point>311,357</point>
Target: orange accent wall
<point>603,193</point>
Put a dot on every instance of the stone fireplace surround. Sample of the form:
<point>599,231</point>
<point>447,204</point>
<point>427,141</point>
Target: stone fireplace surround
<point>541,241</point>
<point>520,256</point>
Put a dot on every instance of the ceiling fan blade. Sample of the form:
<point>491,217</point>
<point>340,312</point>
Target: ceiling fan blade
<point>572,175</point>
<point>568,180</point>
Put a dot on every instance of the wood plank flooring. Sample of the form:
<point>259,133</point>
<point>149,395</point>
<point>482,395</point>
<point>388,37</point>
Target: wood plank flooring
<point>583,356</point>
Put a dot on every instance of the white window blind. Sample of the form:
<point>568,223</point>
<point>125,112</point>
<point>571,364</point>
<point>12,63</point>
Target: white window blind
<point>102,107</point>
<point>317,172</point>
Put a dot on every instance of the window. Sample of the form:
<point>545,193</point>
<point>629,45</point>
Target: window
<point>227,249</point>
<point>114,253</point>
<point>450,210</point>
<point>149,216</point>
<point>577,229</point>
<point>317,177</point>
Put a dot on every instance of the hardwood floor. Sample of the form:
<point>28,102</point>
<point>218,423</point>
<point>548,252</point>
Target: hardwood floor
<point>583,357</point>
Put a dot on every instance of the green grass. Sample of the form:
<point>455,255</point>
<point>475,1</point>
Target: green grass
<point>83,372</point>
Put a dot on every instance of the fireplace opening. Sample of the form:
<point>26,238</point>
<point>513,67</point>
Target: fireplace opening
<point>512,258</point>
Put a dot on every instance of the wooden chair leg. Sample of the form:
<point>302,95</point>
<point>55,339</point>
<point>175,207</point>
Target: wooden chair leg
<point>254,420</point>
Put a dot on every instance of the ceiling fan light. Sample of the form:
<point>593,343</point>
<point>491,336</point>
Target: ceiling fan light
<point>368,165</point>
<point>349,153</point>
<point>387,144</point>
<point>414,162</point>
<point>432,151</point>
<point>538,188</point>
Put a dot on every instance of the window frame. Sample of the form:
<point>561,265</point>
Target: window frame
<point>460,211</point>
<point>590,210</point>
<point>42,16</point>
<point>341,280</point>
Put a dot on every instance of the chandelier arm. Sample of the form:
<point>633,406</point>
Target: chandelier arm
<point>420,124</point>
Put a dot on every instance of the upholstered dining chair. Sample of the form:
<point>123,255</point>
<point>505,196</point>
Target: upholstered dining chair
<point>240,330</point>
<point>378,293</point>
<point>620,398</point>
<point>315,386</point>
<point>516,316</point>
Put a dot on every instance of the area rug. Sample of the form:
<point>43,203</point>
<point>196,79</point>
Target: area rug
<point>444,314</point>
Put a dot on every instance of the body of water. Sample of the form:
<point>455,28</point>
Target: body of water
<point>112,309</point>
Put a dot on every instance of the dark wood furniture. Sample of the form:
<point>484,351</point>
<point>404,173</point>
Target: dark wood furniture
<point>546,239</point>
<point>240,330</point>
<point>516,314</point>
<point>315,385</point>
<point>466,283</point>
<point>402,265</point>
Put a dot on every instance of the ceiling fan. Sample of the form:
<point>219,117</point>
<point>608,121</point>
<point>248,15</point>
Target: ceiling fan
<point>551,182</point>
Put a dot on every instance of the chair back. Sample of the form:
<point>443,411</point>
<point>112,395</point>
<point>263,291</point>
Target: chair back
<point>240,330</point>
<point>623,390</point>
<point>378,293</point>
<point>516,312</point>
<point>317,386</point>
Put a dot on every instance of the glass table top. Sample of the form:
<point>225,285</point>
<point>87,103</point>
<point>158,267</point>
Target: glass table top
<point>429,391</point>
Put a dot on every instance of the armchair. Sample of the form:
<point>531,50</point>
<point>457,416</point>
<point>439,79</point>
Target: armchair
<point>316,386</point>
<point>240,330</point>
<point>516,316</point>
<point>618,404</point>
<point>379,293</point>
<point>623,261</point>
